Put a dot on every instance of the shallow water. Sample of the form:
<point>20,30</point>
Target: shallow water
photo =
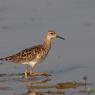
<point>23,24</point>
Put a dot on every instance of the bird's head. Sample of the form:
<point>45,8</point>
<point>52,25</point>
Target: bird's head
<point>52,34</point>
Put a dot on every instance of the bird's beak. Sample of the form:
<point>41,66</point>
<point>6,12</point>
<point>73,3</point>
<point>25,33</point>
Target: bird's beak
<point>60,37</point>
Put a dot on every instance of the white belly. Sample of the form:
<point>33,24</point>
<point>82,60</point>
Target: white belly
<point>31,63</point>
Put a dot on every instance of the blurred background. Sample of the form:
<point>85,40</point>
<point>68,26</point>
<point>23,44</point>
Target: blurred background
<point>23,24</point>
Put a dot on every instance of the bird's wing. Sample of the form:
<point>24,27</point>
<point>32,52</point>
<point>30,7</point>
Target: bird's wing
<point>27,54</point>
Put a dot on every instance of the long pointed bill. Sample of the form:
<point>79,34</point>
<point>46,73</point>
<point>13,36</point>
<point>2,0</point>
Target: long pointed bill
<point>60,37</point>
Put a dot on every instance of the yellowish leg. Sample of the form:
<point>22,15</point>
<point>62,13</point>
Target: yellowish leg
<point>31,72</point>
<point>26,71</point>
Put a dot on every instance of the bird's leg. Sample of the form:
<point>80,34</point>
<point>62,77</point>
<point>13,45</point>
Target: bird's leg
<point>26,71</point>
<point>31,71</point>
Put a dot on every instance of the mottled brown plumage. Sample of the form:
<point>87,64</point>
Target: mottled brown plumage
<point>29,54</point>
<point>33,55</point>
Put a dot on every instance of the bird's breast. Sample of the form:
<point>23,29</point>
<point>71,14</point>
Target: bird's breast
<point>31,63</point>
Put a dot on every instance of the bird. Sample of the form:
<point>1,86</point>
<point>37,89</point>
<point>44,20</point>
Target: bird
<point>33,55</point>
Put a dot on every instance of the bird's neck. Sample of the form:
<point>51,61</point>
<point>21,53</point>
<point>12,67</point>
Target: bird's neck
<point>47,43</point>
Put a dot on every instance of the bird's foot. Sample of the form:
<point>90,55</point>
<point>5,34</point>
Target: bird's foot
<point>40,74</point>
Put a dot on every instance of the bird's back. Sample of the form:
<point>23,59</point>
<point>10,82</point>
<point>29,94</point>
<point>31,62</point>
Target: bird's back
<point>35,53</point>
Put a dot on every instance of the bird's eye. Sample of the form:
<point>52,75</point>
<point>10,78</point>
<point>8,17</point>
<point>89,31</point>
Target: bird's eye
<point>52,33</point>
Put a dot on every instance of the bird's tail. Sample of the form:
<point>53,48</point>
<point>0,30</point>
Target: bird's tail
<point>2,59</point>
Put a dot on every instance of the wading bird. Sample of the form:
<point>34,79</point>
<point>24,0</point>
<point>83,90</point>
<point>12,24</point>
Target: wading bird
<point>33,55</point>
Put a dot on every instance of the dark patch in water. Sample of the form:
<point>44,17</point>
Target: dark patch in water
<point>88,24</point>
<point>4,27</point>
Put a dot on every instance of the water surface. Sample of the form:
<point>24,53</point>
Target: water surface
<point>24,23</point>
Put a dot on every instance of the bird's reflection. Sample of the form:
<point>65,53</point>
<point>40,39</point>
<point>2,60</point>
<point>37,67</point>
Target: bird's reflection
<point>33,91</point>
<point>37,87</point>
